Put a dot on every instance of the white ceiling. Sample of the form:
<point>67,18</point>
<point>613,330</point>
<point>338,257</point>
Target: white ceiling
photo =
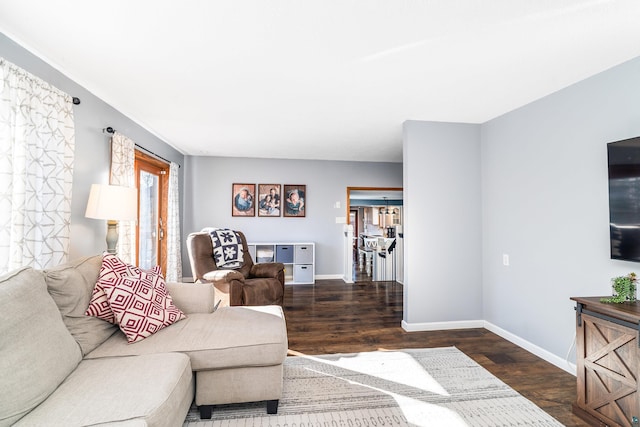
<point>320,79</point>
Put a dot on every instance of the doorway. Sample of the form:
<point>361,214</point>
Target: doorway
<point>374,212</point>
<point>152,183</point>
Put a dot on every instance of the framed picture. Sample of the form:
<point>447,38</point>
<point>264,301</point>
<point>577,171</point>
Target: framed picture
<point>295,202</point>
<point>243,200</point>
<point>269,200</point>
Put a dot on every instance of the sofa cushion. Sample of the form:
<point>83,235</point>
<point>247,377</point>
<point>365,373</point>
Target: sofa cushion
<point>141,305</point>
<point>111,268</point>
<point>150,390</point>
<point>71,286</point>
<point>37,352</point>
<point>229,337</point>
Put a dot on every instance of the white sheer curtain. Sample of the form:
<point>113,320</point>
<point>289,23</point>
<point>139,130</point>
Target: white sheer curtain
<point>174,256</point>
<point>123,173</point>
<point>36,170</point>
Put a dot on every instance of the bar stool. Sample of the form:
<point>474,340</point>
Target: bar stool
<point>370,246</point>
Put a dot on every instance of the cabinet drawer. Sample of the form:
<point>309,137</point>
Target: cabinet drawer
<point>303,273</point>
<point>284,254</point>
<point>304,254</point>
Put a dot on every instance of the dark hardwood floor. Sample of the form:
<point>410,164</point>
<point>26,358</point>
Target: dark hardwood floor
<point>335,317</point>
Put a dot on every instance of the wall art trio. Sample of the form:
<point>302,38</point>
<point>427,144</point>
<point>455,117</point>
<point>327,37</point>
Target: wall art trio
<point>269,200</point>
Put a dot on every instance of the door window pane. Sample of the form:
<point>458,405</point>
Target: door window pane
<point>148,221</point>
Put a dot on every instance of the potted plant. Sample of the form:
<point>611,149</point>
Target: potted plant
<point>624,289</point>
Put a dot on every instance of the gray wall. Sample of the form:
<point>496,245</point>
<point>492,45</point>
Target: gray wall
<point>545,203</point>
<point>208,183</point>
<point>92,148</point>
<point>537,191</point>
<point>442,223</point>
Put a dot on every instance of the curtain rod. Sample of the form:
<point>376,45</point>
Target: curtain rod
<point>111,130</point>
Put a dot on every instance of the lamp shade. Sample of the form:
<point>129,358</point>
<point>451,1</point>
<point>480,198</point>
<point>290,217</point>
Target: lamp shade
<point>112,202</point>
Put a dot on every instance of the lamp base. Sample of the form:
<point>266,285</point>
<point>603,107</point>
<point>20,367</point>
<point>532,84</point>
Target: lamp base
<point>112,236</point>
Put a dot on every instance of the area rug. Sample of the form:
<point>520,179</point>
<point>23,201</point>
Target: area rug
<point>415,387</point>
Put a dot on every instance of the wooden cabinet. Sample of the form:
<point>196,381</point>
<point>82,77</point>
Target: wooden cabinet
<point>298,259</point>
<point>608,362</point>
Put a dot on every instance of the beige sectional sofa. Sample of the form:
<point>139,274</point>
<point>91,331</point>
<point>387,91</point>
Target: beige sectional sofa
<point>60,367</point>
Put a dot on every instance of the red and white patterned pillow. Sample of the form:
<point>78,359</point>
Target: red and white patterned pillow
<point>112,268</point>
<point>141,304</point>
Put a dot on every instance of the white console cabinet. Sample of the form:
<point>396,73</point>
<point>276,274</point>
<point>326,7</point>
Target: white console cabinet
<point>298,259</point>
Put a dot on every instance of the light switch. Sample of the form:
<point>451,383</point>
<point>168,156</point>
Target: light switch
<point>505,259</point>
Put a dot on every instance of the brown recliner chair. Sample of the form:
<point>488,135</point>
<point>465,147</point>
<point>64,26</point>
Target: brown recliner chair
<point>251,284</point>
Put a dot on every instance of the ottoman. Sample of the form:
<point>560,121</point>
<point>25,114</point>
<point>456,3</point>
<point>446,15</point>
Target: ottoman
<point>249,367</point>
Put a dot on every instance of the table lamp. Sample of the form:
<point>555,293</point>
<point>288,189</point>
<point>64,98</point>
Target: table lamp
<point>113,203</point>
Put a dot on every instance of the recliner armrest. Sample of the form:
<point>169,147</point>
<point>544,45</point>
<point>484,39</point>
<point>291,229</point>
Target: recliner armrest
<point>223,276</point>
<point>267,269</point>
<point>192,297</point>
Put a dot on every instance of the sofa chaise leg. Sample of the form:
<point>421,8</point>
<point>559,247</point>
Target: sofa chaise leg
<point>272,406</point>
<point>205,411</point>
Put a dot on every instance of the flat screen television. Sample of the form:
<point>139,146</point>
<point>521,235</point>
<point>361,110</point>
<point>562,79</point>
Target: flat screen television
<point>624,199</point>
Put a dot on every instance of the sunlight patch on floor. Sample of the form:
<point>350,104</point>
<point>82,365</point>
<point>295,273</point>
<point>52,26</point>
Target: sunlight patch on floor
<point>401,368</point>
<point>394,366</point>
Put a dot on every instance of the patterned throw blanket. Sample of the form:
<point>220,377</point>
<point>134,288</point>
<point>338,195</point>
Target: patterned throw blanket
<point>227,247</point>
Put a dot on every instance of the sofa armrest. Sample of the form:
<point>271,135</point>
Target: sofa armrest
<point>267,269</point>
<point>192,297</point>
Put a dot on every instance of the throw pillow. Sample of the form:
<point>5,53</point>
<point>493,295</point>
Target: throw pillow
<point>112,268</point>
<point>141,304</point>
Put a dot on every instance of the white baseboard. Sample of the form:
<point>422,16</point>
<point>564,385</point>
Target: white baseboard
<point>561,363</point>
<point>520,342</point>
<point>440,326</point>
<point>329,276</point>
<point>339,277</point>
